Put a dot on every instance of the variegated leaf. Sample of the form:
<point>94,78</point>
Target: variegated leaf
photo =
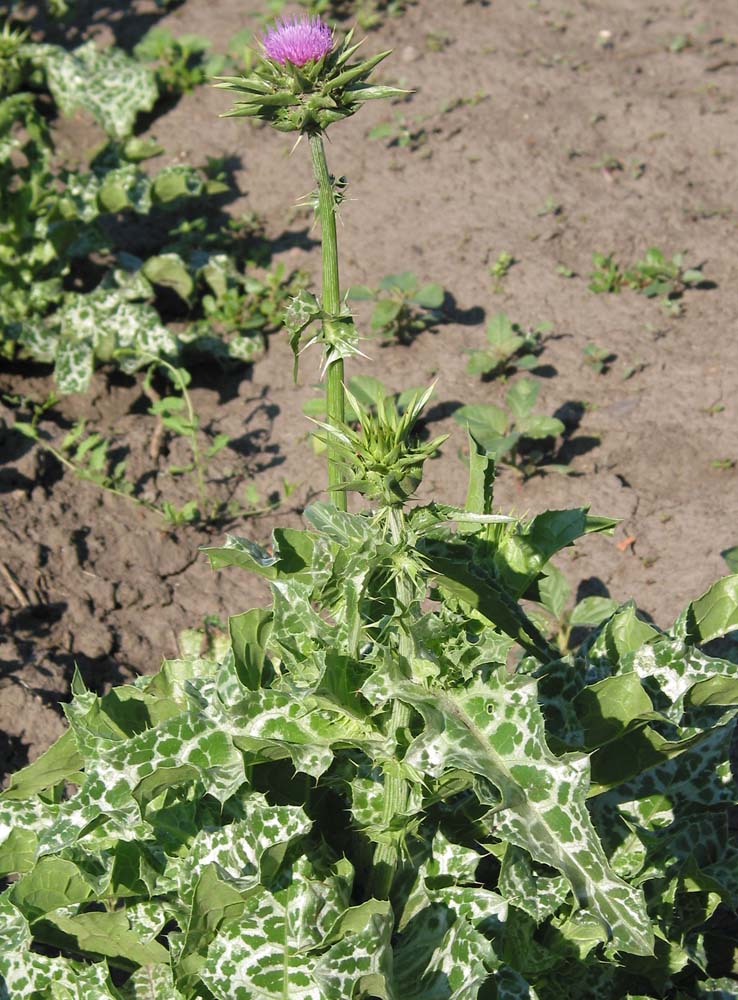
<point>495,730</point>
<point>107,83</point>
<point>24,973</point>
<point>277,949</point>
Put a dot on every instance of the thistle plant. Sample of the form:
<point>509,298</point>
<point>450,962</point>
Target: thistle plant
<point>390,785</point>
<point>303,84</point>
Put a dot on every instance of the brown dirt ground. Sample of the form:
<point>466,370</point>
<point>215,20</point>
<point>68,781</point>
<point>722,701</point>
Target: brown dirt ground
<point>637,143</point>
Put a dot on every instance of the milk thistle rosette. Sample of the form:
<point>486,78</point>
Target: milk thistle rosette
<point>304,83</point>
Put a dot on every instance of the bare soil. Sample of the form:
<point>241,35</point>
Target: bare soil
<point>514,106</point>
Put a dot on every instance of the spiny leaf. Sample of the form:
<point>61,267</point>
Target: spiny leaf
<point>496,731</point>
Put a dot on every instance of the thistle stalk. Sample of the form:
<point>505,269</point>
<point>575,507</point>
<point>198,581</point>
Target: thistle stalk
<point>331,301</point>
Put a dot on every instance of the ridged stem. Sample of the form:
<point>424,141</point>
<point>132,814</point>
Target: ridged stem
<point>331,302</point>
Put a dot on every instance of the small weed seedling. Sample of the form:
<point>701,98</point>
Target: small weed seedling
<point>559,618</point>
<point>403,308</point>
<point>88,454</point>
<point>500,270</point>
<point>509,348</point>
<point>180,64</point>
<point>85,455</point>
<point>550,207</point>
<point>655,276</point>
<point>506,435</point>
<point>597,358</point>
<point>401,132</point>
<point>607,275</point>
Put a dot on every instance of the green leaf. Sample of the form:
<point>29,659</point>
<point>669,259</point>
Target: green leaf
<point>459,581</point>
<point>61,762</point>
<point>137,149</point>
<point>384,313</point>
<point>479,494</point>
<point>151,982</point>
<point>715,612</point>
<point>430,296</point>
<point>105,934</point>
<point>486,423</point>
<point>481,363</point>
<point>521,397</point>
<point>52,884</point>
<point>522,554</point>
<point>731,558</point>
<point>554,591</point>
<point>623,634</point>
<point>249,636</point>
<point>218,443</point>
<point>170,271</point>
<point>593,611</point>
<point>360,293</point>
<point>495,730</point>
<point>500,333</point>
<point>176,181</point>
<point>367,390</point>
<point>405,282</point>
<point>606,709</point>
<point>539,427</point>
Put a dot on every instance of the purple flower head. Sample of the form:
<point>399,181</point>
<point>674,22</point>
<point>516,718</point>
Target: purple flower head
<point>297,40</point>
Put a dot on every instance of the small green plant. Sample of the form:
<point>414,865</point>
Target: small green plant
<point>87,453</point>
<point>657,276</point>
<point>550,207</point>
<point>368,14</point>
<point>500,269</point>
<point>607,275</point>
<point>564,271</point>
<point>464,102</point>
<point>558,617</point>
<point>654,275</point>
<point>597,358</point>
<point>403,307</point>
<point>401,132</point>
<point>180,64</point>
<point>509,348</point>
<point>506,435</point>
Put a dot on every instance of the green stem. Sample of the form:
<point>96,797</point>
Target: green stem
<point>178,378</point>
<point>80,473</point>
<point>387,856</point>
<point>331,302</point>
